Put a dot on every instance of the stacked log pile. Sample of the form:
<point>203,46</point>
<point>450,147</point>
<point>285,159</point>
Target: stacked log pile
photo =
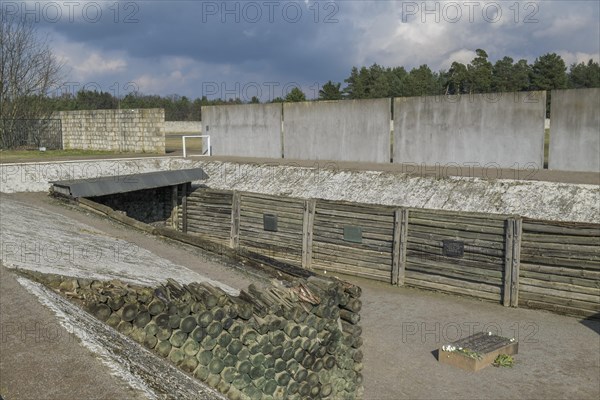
<point>295,340</point>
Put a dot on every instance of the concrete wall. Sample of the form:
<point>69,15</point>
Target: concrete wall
<point>136,131</point>
<point>347,130</point>
<point>183,127</point>
<point>575,130</point>
<point>250,130</point>
<point>505,129</point>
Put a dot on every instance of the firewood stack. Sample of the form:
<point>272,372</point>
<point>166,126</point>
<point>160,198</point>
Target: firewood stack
<point>294,341</point>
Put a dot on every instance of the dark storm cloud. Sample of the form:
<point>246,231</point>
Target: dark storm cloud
<point>285,36</point>
<point>305,42</point>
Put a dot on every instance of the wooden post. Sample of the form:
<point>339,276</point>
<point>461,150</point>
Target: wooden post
<point>508,261</point>
<point>516,263</point>
<point>403,247</point>
<point>174,206</point>
<point>307,232</point>
<point>512,257</point>
<point>184,194</point>
<point>399,249</point>
<point>234,237</point>
<point>396,244</point>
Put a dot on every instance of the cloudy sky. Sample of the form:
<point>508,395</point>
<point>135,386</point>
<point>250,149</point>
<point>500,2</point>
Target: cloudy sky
<point>245,48</point>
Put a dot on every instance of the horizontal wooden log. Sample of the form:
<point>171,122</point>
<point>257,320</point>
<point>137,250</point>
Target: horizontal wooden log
<point>476,220</point>
<point>374,228</point>
<point>374,209</point>
<point>561,262</point>
<point>561,271</point>
<point>95,206</point>
<point>454,234</point>
<point>282,224</point>
<point>352,260</point>
<point>327,267</point>
<point>352,250</point>
<point>213,200</point>
<point>272,202</point>
<point>560,301</point>
<point>208,235</point>
<point>429,237</point>
<point>281,214</point>
<point>525,285</point>
<point>558,308</point>
<point>210,197</point>
<point>451,271</point>
<point>271,248</point>
<point>571,229</point>
<point>457,226</point>
<point>210,219</point>
<point>562,286</point>
<point>436,252</point>
<point>350,316</point>
<point>340,215</point>
<point>585,253</point>
<point>364,249</point>
<point>490,248</point>
<point>208,208</point>
<point>367,234</point>
<point>455,285</point>
<point>440,287</point>
<point>429,213</point>
<point>534,238</point>
<point>262,234</point>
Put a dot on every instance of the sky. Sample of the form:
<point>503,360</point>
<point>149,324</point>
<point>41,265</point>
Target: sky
<point>229,49</point>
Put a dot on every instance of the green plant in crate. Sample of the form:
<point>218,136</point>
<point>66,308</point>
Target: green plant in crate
<point>504,360</point>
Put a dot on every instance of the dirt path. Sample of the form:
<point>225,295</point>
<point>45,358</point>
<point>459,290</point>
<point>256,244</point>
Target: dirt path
<point>559,357</point>
<point>41,359</point>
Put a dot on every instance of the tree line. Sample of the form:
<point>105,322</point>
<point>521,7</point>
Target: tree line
<point>479,76</point>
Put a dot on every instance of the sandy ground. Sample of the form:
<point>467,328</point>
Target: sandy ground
<point>559,357</point>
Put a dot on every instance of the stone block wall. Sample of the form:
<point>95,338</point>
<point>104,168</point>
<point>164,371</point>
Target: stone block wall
<point>187,127</point>
<point>135,131</point>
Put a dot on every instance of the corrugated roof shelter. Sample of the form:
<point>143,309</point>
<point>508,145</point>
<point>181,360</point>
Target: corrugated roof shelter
<point>107,185</point>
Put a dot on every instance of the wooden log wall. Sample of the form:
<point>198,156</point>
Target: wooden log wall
<point>479,272</point>
<point>372,257</point>
<point>527,263</point>
<point>286,242</point>
<point>209,214</point>
<point>560,267</point>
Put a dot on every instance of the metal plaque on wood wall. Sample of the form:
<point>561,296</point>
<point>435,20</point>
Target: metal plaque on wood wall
<point>353,234</point>
<point>270,222</point>
<point>453,248</point>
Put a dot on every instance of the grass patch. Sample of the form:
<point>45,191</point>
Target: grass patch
<point>174,142</point>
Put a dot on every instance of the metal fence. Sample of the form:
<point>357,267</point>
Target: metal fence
<point>28,134</point>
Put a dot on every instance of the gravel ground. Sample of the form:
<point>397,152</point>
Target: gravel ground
<point>559,357</point>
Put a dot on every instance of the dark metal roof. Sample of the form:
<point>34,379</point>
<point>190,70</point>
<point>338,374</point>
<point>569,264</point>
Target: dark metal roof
<point>126,183</point>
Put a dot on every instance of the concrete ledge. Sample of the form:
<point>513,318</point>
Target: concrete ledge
<point>554,201</point>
